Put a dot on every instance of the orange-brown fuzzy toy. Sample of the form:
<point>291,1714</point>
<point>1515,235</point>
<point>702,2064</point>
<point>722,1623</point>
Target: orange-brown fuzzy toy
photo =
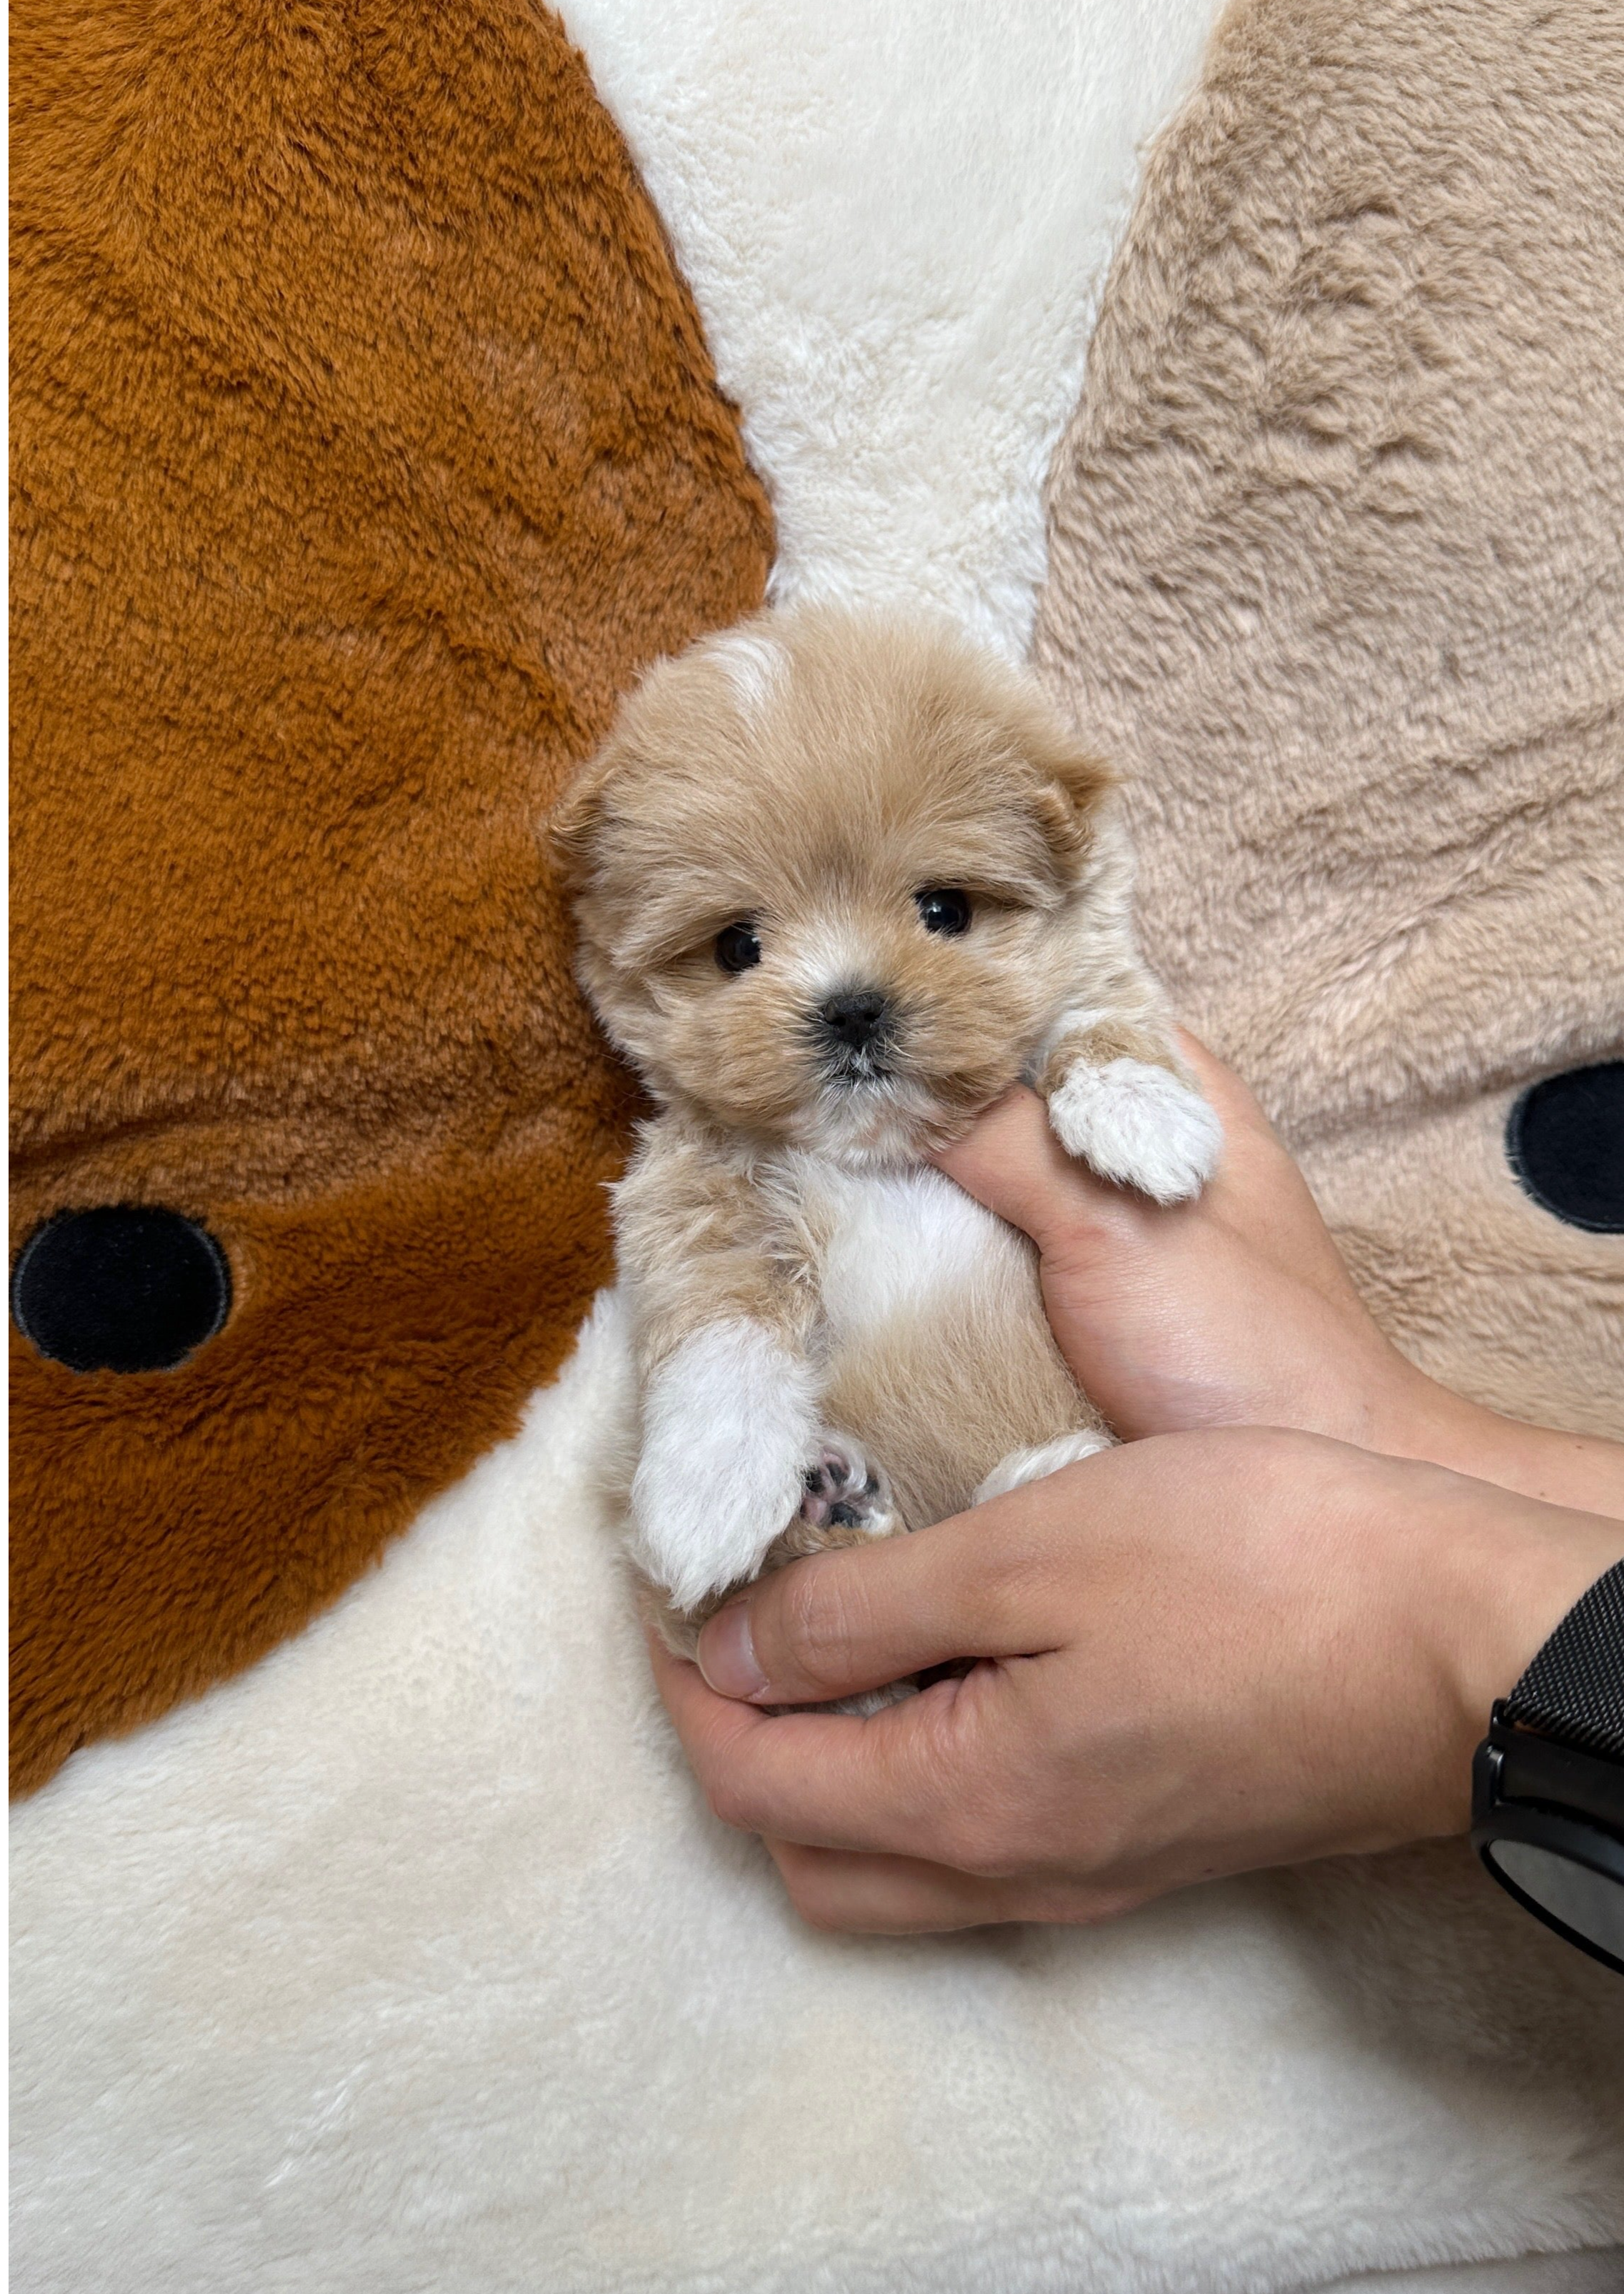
<point>366,447</point>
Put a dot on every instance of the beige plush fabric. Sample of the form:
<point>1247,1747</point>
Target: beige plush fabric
<point>1337,571</point>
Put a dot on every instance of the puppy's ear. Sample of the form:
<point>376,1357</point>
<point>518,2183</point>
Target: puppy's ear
<point>1072,784</point>
<point>573,824</point>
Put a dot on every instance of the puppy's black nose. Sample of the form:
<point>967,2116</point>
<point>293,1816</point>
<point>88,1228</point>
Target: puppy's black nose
<point>855,1021</point>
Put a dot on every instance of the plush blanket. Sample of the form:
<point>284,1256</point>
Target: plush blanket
<point>410,1958</point>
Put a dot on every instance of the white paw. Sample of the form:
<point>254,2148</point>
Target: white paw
<point>1139,1125</point>
<point>729,1425</point>
<point>1023,1466</point>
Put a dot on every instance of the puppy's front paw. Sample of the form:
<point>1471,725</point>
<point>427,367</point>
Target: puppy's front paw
<point>728,1426</point>
<point>1139,1125</point>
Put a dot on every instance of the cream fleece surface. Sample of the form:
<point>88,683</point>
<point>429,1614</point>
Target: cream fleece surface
<point>412,1960</point>
<point>895,219</point>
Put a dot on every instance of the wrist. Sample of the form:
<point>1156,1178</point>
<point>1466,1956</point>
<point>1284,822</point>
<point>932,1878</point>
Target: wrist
<point>1532,1562</point>
<point>1426,1422</point>
<point>1479,1577</point>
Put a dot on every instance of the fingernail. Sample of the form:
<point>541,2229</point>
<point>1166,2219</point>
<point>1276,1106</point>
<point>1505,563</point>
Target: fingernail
<point>727,1655</point>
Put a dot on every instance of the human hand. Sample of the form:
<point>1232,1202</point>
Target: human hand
<point>1199,1653</point>
<point>1235,1309</point>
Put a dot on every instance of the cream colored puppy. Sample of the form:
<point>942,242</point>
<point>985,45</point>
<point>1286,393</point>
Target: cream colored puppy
<point>840,881</point>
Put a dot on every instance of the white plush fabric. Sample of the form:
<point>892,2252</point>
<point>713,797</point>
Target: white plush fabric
<point>1600,2271</point>
<point>896,215</point>
<point>411,1959</point>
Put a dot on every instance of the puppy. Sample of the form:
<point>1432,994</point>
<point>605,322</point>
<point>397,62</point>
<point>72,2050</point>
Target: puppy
<point>842,880</point>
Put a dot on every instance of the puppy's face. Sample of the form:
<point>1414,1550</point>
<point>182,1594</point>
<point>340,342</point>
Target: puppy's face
<point>828,869</point>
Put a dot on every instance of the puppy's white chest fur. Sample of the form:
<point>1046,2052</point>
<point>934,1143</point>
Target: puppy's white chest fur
<point>889,1247</point>
<point>931,1347</point>
<point>842,879</point>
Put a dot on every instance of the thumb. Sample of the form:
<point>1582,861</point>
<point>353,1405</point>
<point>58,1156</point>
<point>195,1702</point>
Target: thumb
<point>1011,1160</point>
<point>858,1617</point>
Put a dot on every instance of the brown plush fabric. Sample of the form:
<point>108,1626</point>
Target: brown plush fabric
<point>1338,572</point>
<point>366,447</point>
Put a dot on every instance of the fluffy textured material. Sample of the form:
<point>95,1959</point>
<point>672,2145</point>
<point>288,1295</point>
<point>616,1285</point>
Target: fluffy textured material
<point>413,1960</point>
<point>1337,574</point>
<point>366,447</point>
<point>896,219</point>
<point>410,1959</point>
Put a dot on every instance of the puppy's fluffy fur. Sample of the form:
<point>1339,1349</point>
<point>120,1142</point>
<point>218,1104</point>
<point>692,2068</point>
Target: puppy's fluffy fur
<point>842,880</point>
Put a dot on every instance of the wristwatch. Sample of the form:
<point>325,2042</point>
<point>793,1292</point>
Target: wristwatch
<point>1547,1783</point>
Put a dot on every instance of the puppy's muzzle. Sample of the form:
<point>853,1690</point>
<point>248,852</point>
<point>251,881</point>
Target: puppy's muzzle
<point>855,1030</point>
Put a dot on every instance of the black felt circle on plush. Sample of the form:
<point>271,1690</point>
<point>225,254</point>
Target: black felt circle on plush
<point>1565,1142</point>
<point>122,1287</point>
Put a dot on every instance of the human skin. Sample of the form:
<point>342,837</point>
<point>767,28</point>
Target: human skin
<point>1266,1627</point>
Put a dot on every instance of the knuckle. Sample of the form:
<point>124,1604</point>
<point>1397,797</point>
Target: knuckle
<point>963,1826</point>
<point>730,1803</point>
<point>1015,1573</point>
<point>1266,1462</point>
<point>807,1882</point>
<point>975,1844</point>
<point>1088,1220</point>
<point>813,1903</point>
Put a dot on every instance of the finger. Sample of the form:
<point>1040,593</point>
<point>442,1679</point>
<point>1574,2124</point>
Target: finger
<point>980,1584</point>
<point>902,1781</point>
<point>1236,1104</point>
<point>1255,1163</point>
<point>1259,1192</point>
<point>906,1895</point>
<point>1011,1160</point>
<point>889,1895</point>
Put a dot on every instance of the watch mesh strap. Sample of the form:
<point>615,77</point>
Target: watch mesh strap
<point>1574,1688</point>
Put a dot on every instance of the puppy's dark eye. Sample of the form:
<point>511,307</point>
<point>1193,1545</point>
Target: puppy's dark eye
<point>738,948</point>
<point>943,911</point>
